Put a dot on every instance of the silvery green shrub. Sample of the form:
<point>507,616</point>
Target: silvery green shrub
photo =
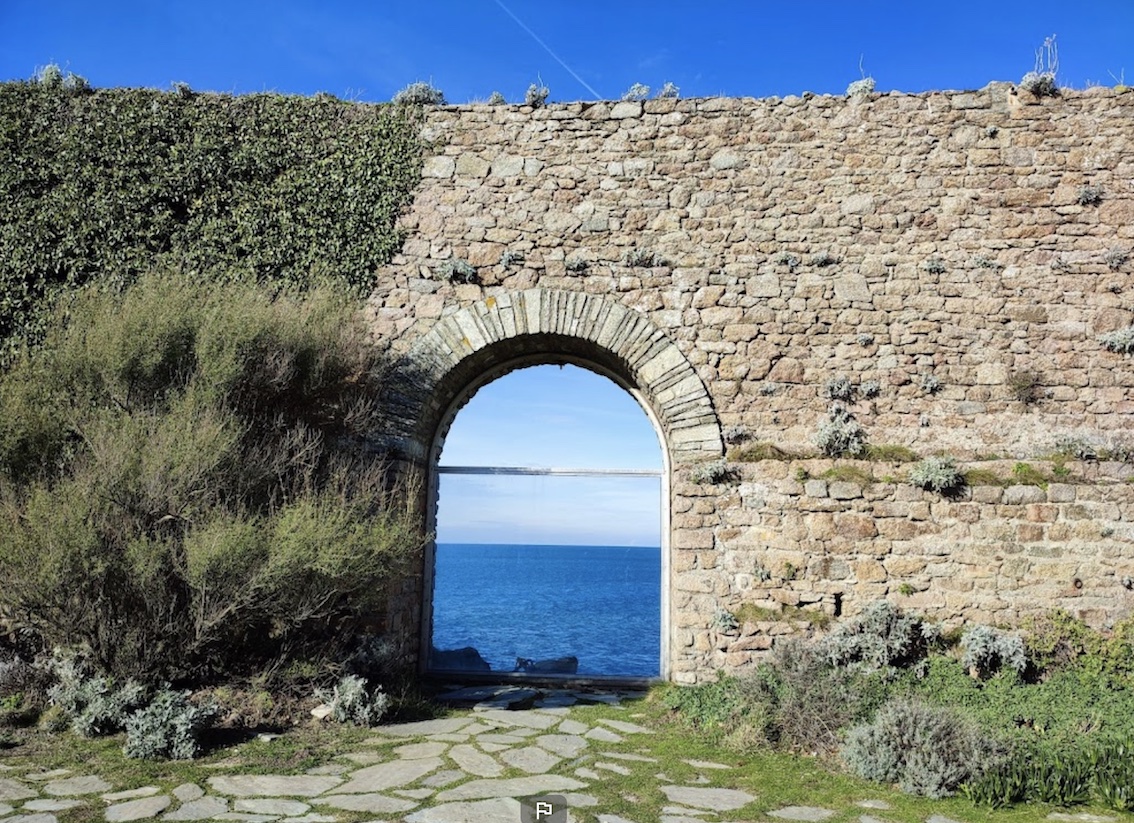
<point>1120,341</point>
<point>496,99</point>
<point>95,705</point>
<point>420,94</point>
<point>840,434</point>
<point>987,650</point>
<point>880,637</point>
<point>636,93</point>
<point>839,388</point>
<point>354,701</point>
<point>458,271</point>
<point>926,750</point>
<point>169,727</point>
<point>536,95</point>
<point>712,473</point>
<point>725,621</point>
<point>939,474</point>
<point>861,88</point>
<point>668,91</point>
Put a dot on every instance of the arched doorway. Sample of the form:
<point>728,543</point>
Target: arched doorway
<point>486,339</point>
<point>548,551</point>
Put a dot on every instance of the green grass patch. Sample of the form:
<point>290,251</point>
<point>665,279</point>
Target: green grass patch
<point>751,613</point>
<point>891,453</point>
<point>755,452</point>
<point>850,473</point>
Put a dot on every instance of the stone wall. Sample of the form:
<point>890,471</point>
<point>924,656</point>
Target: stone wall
<point>793,534</point>
<point>970,240</point>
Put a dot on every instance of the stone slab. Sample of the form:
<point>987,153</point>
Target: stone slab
<point>414,751</point>
<point>364,758</point>
<point>533,720</point>
<point>443,778</point>
<point>81,784</point>
<point>203,808</point>
<point>131,794</point>
<point>604,735</point>
<point>706,764</point>
<point>565,745</point>
<point>530,759</point>
<point>373,803</point>
<point>573,727</point>
<point>494,810</point>
<point>420,728</point>
<point>473,761</point>
<point>273,785</point>
<point>39,817</point>
<point>40,777</point>
<point>51,805</point>
<point>391,775</point>
<point>188,791</point>
<point>720,800</point>
<point>511,787</point>
<point>500,739</point>
<point>811,814</point>
<point>141,808</point>
<point>636,758</point>
<point>271,805</point>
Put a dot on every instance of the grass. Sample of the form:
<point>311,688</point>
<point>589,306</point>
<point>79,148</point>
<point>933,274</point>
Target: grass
<point>850,473</point>
<point>754,452</point>
<point>774,779</point>
<point>751,613</point>
<point>891,453</point>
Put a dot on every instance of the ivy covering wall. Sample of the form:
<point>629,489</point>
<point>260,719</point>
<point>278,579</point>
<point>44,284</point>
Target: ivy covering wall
<point>98,186</point>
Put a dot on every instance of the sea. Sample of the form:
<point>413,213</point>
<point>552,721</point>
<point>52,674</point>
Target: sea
<point>601,604</point>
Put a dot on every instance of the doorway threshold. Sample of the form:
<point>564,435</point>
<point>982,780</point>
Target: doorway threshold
<point>525,692</point>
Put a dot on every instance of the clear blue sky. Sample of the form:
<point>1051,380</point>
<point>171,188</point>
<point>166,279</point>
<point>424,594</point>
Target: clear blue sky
<point>469,48</point>
<point>580,49</point>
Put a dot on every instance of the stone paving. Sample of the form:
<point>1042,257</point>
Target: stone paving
<point>450,770</point>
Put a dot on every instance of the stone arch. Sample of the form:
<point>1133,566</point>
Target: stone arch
<point>495,335</point>
<point>498,334</point>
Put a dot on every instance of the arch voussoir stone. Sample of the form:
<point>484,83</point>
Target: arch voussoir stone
<point>466,344</point>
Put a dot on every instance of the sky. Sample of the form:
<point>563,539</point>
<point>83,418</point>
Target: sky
<point>551,417</point>
<point>579,50</point>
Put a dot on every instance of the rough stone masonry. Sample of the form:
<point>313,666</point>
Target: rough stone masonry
<point>955,255</point>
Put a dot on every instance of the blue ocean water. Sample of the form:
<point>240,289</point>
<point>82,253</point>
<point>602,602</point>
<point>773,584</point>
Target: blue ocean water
<point>601,604</point>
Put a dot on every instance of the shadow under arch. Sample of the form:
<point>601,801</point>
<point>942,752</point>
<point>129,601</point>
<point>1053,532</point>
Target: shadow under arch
<point>488,339</point>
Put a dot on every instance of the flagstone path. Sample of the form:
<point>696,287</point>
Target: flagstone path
<point>456,765</point>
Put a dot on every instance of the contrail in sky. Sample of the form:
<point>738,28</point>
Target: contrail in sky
<point>547,48</point>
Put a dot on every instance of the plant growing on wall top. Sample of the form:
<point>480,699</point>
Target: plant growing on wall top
<point>536,95</point>
<point>420,94</point>
<point>636,93</point>
<point>840,435</point>
<point>939,474</point>
<point>1041,80</point>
